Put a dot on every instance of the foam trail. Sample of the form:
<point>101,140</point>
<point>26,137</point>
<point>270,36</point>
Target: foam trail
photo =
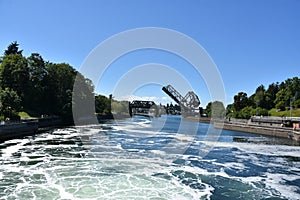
<point>128,160</point>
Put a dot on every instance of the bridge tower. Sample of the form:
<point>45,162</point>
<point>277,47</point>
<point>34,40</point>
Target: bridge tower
<point>189,103</point>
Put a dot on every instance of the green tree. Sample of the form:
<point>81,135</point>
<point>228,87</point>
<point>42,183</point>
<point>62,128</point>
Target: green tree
<point>208,109</point>
<point>10,102</point>
<point>230,110</point>
<point>59,80</point>
<point>246,112</point>
<point>296,103</point>
<point>120,107</point>
<point>14,73</point>
<point>215,109</point>
<point>34,101</point>
<point>102,104</point>
<point>240,101</point>
<point>271,93</point>
<point>83,95</point>
<point>259,97</point>
<point>13,48</point>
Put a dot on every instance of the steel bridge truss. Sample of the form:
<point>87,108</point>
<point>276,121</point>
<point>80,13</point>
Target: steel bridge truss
<point>189,103</point>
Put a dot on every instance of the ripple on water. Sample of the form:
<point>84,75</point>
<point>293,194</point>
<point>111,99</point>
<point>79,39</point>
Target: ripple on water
<point>108,162</point>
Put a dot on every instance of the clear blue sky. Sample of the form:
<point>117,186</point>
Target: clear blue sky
<point>252,42</point>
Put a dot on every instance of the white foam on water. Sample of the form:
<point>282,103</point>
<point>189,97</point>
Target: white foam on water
<point>137,183</point>
<point>10,150</point>
<point>231,165</point>
<point>264,149</point>
<point>276,181</point>
<point>61,132</point>
<point>112,172</point>
<point>100,178</point>
<point>251,180</point>
<point>138,132</point>
<point>184,138</point>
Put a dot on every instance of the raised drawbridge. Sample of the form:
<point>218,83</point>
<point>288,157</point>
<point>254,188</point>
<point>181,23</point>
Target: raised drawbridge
<point>189,103</point>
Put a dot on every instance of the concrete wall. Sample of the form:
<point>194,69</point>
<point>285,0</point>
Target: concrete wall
<point>263,130</point>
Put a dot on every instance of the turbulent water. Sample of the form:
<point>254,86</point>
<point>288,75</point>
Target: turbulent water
<point>146,158</point>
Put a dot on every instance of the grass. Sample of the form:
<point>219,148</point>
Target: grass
<point>25,115</point>
<point>286,113</point>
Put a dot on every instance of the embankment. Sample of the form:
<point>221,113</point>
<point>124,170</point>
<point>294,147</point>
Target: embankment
<point>246,126</point>
<point>282,132</point>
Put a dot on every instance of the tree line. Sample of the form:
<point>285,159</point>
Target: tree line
<point>280,96</point>
<point>40,87</point>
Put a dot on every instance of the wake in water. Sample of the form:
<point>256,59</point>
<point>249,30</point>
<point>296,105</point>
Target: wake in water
<point>141,158</point>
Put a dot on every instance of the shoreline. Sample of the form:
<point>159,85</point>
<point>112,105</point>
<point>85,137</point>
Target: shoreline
<point>28,127</point>
<point>31,127</point>
<point>245,126</point>
<point>280,132</point>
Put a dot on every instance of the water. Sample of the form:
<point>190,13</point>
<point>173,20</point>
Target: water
<point>144,158</point>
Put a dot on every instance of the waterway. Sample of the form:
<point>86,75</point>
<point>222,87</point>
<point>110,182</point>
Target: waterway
<point>148,158</point>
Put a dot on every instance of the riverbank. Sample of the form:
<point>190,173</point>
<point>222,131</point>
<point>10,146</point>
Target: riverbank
<point>283,132</point>
<point>244,125</point>
<point>30,127</point>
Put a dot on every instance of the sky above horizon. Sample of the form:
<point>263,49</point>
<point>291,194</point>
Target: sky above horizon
<point>252,42</point>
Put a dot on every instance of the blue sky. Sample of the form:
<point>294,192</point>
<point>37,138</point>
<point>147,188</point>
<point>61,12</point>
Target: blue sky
<point>252,42</point>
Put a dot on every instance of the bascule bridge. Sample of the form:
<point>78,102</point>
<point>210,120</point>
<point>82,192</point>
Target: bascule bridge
<point>189,103</point>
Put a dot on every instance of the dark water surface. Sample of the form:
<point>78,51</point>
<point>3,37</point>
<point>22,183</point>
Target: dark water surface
<point>142,158</point>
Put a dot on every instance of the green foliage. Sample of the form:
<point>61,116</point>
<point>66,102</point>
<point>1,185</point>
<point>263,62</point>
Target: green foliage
<point>102,104</point>
<point>83,94</point>
<point>240,101</point>
<point>280,96</point>
<point>24,115</point>
<point>10,102</point>
<point>13,48</point>
<point>208,109</point>
<point>262,112</point>
<point>280,105</point>
<point>288,93</point>
<point>14,73</point>
<point>230,110</point>
<point>119,107</point>
<point>34,101</point>
<point>296,103</point>
<point>38,87</point>
<point>286,113</point>
<point>246,112</point>
<point>60,80</point>
<point>215,109</point>
<point>271,94</point>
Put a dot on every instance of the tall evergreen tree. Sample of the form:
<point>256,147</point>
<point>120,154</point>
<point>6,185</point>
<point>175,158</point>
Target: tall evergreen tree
<point>13,48</point>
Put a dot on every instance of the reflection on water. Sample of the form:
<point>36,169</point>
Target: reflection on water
<point>133,159</point>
